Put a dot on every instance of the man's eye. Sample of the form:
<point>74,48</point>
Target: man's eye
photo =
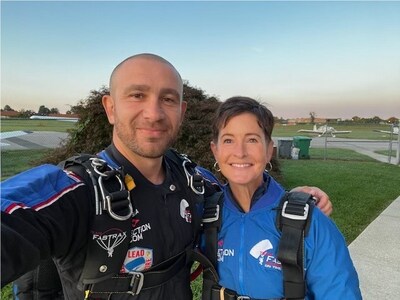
<point>137,95</point>
<point>170,100</point>
<point>253,140</point>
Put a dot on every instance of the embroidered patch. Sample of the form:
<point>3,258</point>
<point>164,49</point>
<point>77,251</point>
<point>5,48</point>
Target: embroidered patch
<point>110,239</point>
<point>137,259</point>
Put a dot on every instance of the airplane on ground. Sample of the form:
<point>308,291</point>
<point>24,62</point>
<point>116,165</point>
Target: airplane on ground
<point>69,119</point>
<point>324,130</point>
<point>395,131</point>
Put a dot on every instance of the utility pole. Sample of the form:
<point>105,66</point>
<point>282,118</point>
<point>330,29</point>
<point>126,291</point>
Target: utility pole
<point>398,150</point>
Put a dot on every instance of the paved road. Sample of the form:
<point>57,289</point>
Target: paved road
<point>376,256</point>
<point>23,140</point>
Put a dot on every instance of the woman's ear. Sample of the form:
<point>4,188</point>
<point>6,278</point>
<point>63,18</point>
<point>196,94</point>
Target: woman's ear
<point>213,147</point>
<point>270,150</point>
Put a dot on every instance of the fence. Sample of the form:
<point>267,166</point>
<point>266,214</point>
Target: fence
<point>326,148</point>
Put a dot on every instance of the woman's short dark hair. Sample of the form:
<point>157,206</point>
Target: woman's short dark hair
<point>238,105</point>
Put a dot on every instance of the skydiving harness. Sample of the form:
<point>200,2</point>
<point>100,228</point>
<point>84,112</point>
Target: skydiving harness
<point>293,221</point>
<point>111,226</point>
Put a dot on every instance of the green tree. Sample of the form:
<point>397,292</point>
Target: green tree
<point>7,108</point>
<point>25,113</point>
<point>43,110</point>
<point>54,110</point>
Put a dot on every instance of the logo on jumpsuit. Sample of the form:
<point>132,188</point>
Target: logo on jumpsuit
<point>223,252</point>
<point>109,239</point>
<point>265,258</point>
<point>185,211</point>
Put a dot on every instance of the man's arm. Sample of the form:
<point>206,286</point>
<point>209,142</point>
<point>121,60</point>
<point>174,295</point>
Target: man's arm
<point>323,202</point>
<point>43,214</point>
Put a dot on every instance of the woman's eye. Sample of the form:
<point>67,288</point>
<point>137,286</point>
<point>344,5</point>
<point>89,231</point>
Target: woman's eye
<point>227,141</point>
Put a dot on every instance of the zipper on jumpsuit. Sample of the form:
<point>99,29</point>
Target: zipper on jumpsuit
<point>242,256</point>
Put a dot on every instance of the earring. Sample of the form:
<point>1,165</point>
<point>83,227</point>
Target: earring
<point>216,167</point>
<point>269,167</point>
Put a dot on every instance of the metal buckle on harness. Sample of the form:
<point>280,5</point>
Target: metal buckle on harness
<point>243,298</point>
<point>97,165</point>
<point>293,216</point>
<point>136,283</point>
<point>214,215</point>
<point>189,177</point>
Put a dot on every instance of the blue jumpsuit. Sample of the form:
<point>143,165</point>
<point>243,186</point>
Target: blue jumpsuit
<point>248,246</point>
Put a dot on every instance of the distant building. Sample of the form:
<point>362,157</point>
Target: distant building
<point>8,114</point>
<point>296,121</point>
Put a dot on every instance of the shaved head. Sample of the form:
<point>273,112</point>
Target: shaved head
<point>147,56</point>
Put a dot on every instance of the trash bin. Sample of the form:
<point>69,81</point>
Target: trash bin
<point>303,143</point>
<point>285,148</point>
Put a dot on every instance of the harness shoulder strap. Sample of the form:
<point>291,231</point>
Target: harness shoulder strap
<point>110,227</point>
<point>293,220</point>
<point>212,224</point>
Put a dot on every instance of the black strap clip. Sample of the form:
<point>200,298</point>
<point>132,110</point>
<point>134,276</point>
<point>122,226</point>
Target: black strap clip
<point>295,211</point>
<point>211,214</point>
<point>195,181</point>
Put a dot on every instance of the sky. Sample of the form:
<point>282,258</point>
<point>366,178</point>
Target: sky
<point>336,59</point>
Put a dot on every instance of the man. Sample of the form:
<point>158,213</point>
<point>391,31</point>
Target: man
<point>47,211</point>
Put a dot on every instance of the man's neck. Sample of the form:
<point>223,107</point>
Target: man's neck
<point>151,168</point>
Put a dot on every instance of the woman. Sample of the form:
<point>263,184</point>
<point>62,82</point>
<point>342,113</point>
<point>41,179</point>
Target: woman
<point>248,240</point>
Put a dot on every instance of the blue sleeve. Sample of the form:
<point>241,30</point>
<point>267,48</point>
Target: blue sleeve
<point>43,214</point>
<point>207,175</point>
<point>330,273</point>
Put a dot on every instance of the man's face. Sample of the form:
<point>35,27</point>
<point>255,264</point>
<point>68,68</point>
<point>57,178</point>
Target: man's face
<point>145,107</point>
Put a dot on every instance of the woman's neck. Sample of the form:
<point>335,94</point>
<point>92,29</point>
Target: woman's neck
<point>243,194</point>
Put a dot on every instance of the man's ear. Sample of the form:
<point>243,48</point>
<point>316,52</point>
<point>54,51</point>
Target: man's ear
<point>108,104</point>
<point>183,110</point>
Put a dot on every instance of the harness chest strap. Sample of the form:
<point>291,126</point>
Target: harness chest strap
<point>135,282</point>
<point>112,224</point>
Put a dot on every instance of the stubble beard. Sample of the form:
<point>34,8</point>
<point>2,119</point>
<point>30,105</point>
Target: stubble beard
<point>130,140</point>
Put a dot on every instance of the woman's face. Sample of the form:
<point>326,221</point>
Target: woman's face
<point>242,150</point>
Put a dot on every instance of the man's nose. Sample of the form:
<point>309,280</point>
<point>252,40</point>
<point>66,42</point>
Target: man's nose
<point>153,110</point>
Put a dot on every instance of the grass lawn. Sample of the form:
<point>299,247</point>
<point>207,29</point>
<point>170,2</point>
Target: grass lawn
<point>35,125</point>
<point>16,161</point>
<point>386,152</point>
<point>359,187</point>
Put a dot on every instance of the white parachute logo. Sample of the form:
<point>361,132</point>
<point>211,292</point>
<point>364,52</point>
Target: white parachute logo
<point>259,250</point>
<point>185,212</point>
<point>110,239</point>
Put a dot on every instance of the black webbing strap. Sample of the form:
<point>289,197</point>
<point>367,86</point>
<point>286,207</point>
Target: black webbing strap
<point>212,224</point>
<point>134,282</point>
<point>293,220</point>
